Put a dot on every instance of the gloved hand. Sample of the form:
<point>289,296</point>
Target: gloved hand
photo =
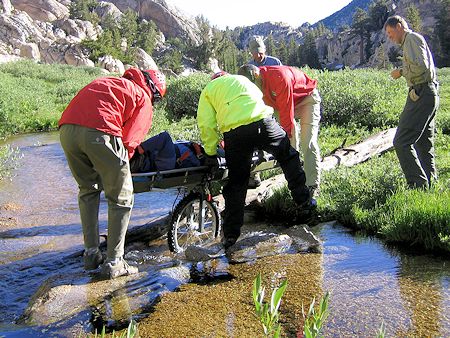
<point>212,163</point>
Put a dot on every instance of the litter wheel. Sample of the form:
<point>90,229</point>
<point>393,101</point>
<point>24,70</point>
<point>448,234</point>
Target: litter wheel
<point>186,227</point>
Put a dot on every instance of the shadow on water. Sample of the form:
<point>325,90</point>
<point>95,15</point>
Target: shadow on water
<point>45,293</point>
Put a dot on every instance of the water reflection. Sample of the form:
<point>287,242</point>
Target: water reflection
<point>424,290</point>
<point>371,284</point>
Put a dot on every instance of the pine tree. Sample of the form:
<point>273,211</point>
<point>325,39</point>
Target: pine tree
<point>292,58</point>
<point>205,50</point>
<point>378,14</point>
<point>270,45</point>
<point>307,52</point>
<point>360,25</point>
<point>129,26</point>
<point>443,32</point>
<point>413,18</point>
<point>147,35</point>
<point>282,52</point>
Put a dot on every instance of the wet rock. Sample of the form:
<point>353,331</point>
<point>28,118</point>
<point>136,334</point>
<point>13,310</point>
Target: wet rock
<point>196,253</point>
<point>258,246</point>
<point>149,231</point>
<point>61,298</point>
<point>304,240</point>
<point>177,275</point>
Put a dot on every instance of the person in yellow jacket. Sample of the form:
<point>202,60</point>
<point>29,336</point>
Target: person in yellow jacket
<point>233,106</point>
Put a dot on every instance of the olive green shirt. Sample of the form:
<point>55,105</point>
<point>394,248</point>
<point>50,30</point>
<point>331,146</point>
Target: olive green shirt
<point>418,65</point>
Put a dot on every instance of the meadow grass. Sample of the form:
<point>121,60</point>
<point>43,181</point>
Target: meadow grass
<point>32,96</point>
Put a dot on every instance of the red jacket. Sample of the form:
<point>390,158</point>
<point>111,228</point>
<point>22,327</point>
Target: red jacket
<point>283,88</point>
<point>117,106</point>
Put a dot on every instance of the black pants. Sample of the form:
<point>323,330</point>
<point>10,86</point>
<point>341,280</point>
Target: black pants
<point>240,143</point>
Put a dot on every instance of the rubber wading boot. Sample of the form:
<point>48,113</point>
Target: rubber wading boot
<point>111,270</point>
<point>92,259</point>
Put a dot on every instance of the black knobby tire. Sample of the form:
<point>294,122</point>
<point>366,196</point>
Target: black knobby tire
<point>184,226</point>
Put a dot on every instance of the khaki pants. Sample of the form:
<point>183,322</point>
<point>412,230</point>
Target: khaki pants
<point>305,137</point>
<point>414,139</point>
<point>99,161</point>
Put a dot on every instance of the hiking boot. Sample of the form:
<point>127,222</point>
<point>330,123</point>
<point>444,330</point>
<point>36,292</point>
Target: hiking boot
<point>228,242</point>
<point>309,204</point>
<point>254,181</point>
<point>111,270</point>
<point>308,213</point>
<point>92,259</point>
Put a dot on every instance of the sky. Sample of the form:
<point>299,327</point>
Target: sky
<point>233,13</point>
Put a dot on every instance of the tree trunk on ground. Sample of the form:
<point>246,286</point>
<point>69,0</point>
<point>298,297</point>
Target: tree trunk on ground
<point>346,156</point>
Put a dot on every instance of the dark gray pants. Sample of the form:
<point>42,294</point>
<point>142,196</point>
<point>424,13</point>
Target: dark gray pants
<point>240,143</point>
<point>414,139</point>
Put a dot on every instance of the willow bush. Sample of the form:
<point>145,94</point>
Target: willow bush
<point>183,94</point>
<point>362,97</point>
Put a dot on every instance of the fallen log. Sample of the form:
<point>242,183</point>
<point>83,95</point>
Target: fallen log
<point>360,152</point>
<point>347,156</point>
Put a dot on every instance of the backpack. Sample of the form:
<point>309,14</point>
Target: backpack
<point>189,154</point>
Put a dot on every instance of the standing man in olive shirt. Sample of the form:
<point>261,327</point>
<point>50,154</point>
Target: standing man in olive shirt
<point>414,139</point>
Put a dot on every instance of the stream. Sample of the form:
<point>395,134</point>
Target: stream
<point>40,240</point>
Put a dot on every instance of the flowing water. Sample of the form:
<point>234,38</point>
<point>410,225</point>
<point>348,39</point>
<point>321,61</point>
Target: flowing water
<point>40,241</point>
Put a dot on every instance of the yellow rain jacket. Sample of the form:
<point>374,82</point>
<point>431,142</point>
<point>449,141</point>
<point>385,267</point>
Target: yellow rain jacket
<point>228,102</point>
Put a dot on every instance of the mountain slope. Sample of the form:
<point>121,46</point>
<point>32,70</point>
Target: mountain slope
<point>344,16</point>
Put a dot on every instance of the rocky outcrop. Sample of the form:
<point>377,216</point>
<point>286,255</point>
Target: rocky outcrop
<point>170,20</point>
<point>42,10</point>
<point>107,10</point>
<point>112,65</point>
<point>144,61</point>
<point>6,7</point>
<point>78,30</point>
<point>343,48</point>
<point>278,31</point>
<point>41,30</point>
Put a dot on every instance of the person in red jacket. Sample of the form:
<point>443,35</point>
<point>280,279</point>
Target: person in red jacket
<point>99,131</point>
<point>294,96</point>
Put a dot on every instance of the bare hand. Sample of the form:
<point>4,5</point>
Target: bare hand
<point>395,74</point>
<point>140,150</point>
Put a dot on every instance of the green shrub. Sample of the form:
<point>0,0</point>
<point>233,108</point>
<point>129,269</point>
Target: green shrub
<point>33,96</point>
<point>443,114</point>
<point>183,94</point>
<point>364,98</point>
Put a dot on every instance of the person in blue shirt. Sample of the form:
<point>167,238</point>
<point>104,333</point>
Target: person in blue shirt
<point>258,50</point>
<point>259,58</point>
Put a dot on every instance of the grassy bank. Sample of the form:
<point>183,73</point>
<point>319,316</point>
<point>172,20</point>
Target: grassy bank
<point>356,104</point>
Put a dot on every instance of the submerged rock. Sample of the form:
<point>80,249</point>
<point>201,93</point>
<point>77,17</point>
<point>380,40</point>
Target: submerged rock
<point>196,253</point>
<point>257,246</point>
<point>304,240</point>
<point>61,298</point>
